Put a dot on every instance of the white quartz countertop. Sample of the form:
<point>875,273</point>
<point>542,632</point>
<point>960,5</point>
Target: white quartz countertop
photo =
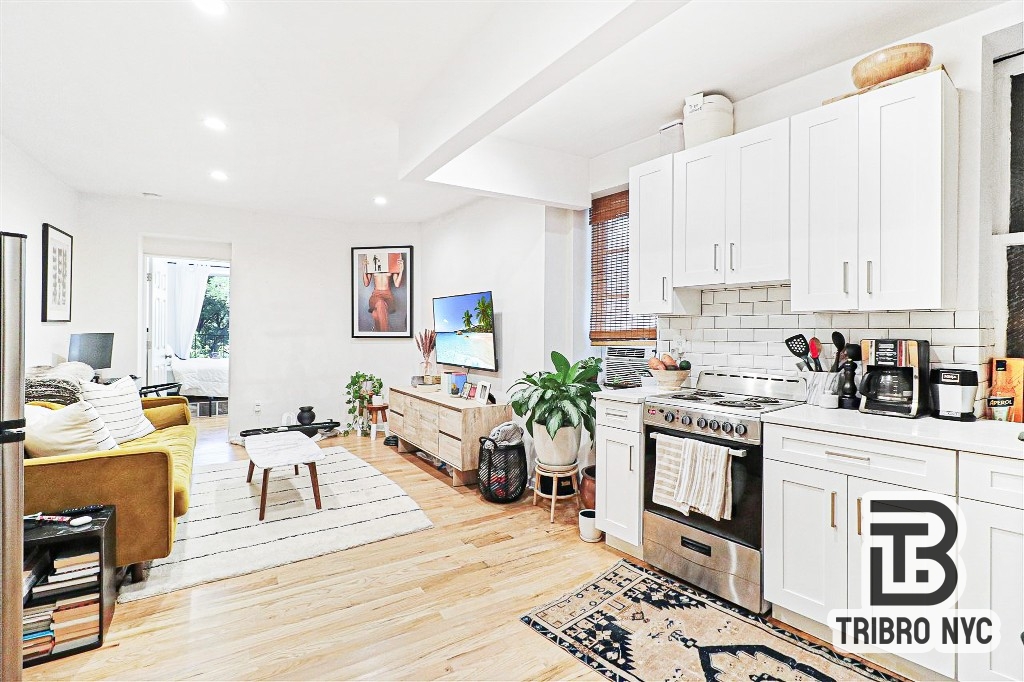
<point>629,395</point>
<point>984,436</point>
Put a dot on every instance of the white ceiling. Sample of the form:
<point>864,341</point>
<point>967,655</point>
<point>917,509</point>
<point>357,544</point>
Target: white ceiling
<point>734,47</point>
<point>110,96</point>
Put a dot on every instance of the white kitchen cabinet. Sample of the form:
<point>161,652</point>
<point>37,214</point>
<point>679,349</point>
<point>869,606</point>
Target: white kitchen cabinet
<point>650,236</point>
<point>698,229</point>
<point>823,207</point>
<point>757,204</point>
<point>993,556</point>
<point>907,141</point>
<point>805,539</point>
<point>619,498</point>
<point>731,214</point>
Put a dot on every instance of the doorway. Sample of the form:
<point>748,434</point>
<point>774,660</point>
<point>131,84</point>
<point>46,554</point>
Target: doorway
<point>187,332</point>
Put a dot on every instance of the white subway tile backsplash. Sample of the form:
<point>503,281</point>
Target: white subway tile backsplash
<point>752,295</point>
<point>754,347</point>
<point>714,309</point>
<point>716,334</point>
<point>968,319</point>
<point>714,360</point>
<point>767,307</point>
<point>741,334</point>
<point>787,307</point>
<point>941,353</point>
<point>783,321</point>
<point>740,361</point>
<point>664,322</point>
<point>962,337</point>
<point>739,309</point>
<point>931,320</point>
<point>727,321</point>
<point>704,346</point>
<point>971,354</point>
<point>727,347</point>
<point>704,322</point>
<point>682,322</point>
<point>727,296</point>
<point>778,294</point>
<point>707,297</point>
<point>754,321</point>
<point>889,319</point>
<point>768,334</point>
<point>850,319</point>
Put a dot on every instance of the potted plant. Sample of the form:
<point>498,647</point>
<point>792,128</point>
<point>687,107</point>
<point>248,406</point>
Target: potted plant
<point>562,403</point>
<point>359,392</point>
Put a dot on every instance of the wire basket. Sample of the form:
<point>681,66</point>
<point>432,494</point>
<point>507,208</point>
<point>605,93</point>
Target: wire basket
<point>501,471</point>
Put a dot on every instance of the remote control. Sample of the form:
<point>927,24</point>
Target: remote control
<point>77,511</point>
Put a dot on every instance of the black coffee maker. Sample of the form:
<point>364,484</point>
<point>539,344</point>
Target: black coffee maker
<point>895,377</point>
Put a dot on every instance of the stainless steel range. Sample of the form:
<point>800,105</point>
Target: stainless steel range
<point>722,557</point>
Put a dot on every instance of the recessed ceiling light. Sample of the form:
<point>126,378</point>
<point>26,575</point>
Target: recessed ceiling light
<point>219,175</point>
<point>380,201</point>
<point>214,123</point>
<point>214,7</point>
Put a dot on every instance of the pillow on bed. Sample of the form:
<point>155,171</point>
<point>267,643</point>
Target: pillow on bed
<point>70,430</point>
<point>120,407</point>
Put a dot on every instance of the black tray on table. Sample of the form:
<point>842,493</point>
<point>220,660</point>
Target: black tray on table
<point>309,430</point>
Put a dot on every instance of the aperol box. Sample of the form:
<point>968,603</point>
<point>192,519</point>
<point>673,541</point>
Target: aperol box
<point>1015,372</point>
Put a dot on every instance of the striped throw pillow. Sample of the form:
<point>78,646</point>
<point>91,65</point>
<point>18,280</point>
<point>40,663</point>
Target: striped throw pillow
<point>120,407</point>
<point>71,430</point>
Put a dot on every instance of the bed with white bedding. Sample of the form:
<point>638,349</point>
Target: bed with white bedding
<point>207,377</point>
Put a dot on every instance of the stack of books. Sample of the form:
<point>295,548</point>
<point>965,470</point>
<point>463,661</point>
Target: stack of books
<point>72,571</point>
<point>36,635</point>
<point>37,563</point>
<point>76,621</point>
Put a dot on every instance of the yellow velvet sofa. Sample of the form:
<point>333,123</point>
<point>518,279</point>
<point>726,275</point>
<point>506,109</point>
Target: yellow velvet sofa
<point>147,479</point>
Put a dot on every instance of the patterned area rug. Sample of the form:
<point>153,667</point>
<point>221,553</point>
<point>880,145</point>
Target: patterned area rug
<point>633,624</point>
<point>221,535</point>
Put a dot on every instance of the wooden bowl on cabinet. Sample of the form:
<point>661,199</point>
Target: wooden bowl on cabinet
<point>890,63</point>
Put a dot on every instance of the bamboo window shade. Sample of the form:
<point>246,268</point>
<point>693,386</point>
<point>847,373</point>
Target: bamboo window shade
<point>610,319</point>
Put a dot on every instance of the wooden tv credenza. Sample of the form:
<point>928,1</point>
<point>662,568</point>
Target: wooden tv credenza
<point>444,426</point>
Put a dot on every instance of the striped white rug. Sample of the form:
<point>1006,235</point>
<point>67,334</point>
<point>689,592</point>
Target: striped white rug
<point>221,535</point>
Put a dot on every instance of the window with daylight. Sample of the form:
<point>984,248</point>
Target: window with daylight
<point>610,320</point>
<point>212,339</point>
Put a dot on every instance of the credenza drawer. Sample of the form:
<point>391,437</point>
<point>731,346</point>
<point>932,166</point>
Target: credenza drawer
<point>450,422</point>
<point>396,423</point>
<point>450,450</point>
<point>992,479</point>
<point>397,402</point>
<point>426,413</point>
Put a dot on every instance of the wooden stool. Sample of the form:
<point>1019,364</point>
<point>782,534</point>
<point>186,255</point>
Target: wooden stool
<point>378,413</point>
<point>555,473</point>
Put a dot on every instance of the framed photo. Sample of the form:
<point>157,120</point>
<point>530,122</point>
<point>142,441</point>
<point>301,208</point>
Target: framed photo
<point>382,278</point>
<point>467,390</point>
<point>483,390</point>
<point>57,255</point>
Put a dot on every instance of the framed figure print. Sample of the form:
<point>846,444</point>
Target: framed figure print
<point>382,278</point>
<point>57,255</point>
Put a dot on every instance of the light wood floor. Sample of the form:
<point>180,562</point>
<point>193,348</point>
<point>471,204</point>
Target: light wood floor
<point>441,603</point>
<point>212,446</point>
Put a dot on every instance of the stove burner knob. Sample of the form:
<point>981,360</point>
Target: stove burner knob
<point>686,420</point>
<point>726,427</point>
<point>740,429</point>
<point>702,422</point>
<point>713,425</point>
<point>670,417</point>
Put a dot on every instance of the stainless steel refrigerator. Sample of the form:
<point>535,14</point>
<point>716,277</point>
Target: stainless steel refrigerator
<point>12,437</point>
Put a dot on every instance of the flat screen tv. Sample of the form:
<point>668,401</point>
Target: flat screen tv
<point>465,331</point>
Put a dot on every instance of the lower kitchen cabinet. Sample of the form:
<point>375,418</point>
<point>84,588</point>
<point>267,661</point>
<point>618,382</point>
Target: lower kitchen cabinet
<point>993,557</point>
<point>805,539</point>
<point>620,483</point>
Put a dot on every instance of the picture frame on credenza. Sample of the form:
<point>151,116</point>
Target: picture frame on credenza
<point>483,391</point>
<point>58,251</point>
<point>467,390</point>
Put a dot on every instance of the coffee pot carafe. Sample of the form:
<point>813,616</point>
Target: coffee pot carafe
<point>895,378</point>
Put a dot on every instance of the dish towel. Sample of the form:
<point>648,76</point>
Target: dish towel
<point>691,475</point>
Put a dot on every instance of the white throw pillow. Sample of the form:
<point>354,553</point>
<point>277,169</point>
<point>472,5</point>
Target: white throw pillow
<point>120,407</point>
<point>70,430</point>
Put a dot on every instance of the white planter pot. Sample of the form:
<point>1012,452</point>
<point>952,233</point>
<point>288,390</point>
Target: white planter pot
<point>562,450</point>
<point>588,529</point>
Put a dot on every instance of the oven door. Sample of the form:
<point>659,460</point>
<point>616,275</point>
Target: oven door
<point>744,527</point>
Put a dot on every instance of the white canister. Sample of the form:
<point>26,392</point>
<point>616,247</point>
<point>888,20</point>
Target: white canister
<point>707,119</point>
<point>588,526</point>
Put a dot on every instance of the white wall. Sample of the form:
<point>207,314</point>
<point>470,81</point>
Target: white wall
<point>29,197</point>
<point>291,339</point>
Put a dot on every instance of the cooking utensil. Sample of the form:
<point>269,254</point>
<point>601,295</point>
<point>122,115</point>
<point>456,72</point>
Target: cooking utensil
<point>815,348</point>
<point>839,341</point>
<point>798,346</point>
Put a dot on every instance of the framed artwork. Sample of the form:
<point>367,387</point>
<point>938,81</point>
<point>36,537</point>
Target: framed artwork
<point>382,278</point>
<point>483,390</point>
<point>57,255</point>
<point>467,389</point>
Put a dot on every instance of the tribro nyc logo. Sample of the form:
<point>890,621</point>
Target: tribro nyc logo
<point>911,579</point>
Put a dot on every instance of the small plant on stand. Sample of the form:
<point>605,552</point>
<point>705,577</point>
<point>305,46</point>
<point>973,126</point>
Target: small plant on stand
<point>359,393</point>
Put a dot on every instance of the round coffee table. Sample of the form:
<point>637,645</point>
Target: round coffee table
<point>287,448</point>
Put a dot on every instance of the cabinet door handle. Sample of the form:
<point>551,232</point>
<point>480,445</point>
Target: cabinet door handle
<point>858,516</point>
<point>833,453</point>
<point>617,414</point>
<point>714,257</point>
<point>732,255</point>
<point>846,276</point>
<point>870,269</point>
<point>664,284</point>
<point>832,514</point>
<point>631,459</point>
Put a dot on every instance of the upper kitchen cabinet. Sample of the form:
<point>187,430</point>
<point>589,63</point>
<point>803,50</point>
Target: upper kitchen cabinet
<point>823,207</point>
<point>732,209</point>
<point>873,199</point>
<point>757,204</point>
<point>650,243</point>
<point>908,194</point>
<point>650,236</point>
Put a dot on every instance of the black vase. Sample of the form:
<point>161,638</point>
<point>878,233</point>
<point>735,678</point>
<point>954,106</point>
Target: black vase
<point>306,416</point>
